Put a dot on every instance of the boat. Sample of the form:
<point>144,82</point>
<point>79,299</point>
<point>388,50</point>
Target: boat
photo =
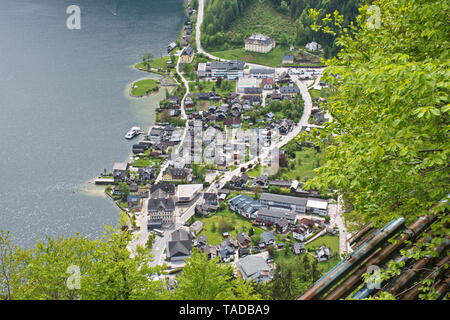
<point>133,132</point>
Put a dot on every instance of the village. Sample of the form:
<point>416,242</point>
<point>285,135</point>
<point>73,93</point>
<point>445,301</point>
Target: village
<point>221,170</point>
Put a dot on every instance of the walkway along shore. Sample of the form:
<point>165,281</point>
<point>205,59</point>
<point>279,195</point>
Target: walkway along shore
<point>141,234</point>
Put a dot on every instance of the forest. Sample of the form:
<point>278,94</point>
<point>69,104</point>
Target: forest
<point>292,28</point>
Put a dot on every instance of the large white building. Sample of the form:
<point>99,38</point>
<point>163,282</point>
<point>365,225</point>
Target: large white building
<point>231,70</point>
<point>313,46</point>
<point>244,83</point>
<point>259,43</point>
<point>187,192</point>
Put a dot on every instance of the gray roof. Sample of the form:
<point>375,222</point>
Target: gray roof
<point>242,237</point>
<point>121,166</point>
<point>188,51</point>
<point>166,187</point>
<point>253,90</point>
<point>229,65</point>
<point>277,213</point>
<point>262,70</point>
<point>289,89</point>
<point>166,204</point>
<point>180,234</point>
<point>267,236</point>
<point>179,248</point>
<point>281,198</point>
<point>252,266</point>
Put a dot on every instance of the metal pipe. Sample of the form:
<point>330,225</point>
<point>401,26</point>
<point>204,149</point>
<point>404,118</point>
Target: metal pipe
<point>415,291</point>
<point>336,273</point>
<point>360,233</point>
<point>380,257</point>
<point>409,274</point>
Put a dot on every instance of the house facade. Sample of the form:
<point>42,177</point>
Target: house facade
<point>244,205</point>
<point>271,200</point>
<point>161,210</point>
<point>230,70</point>
<point>261,73</point>
<point>187,55</point>
<point>276,214</point>
<point>261,43</point>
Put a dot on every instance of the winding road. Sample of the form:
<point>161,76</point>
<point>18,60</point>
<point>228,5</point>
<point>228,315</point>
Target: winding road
<point>160,243</point>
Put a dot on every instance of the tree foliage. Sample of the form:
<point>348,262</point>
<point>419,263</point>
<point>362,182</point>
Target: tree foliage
<point>387,149</point>
<point>204,279</point>
<point>107,271</point>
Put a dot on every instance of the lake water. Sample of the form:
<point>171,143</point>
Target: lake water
<point>64,109</point>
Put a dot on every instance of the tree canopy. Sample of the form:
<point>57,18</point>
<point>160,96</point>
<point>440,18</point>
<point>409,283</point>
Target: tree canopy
<point>76,267</point>
<point>387,149</point>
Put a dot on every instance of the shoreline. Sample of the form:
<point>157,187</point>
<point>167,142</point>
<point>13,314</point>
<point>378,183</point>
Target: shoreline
<point>129,87</point>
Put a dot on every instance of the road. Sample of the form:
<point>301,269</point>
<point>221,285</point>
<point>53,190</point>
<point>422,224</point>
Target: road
<point>336,220</point>
<point>181,219</point>
<point>200,15</point>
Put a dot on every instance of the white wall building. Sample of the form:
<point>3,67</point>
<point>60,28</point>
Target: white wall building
<point>244,83</point>
<point>259,43</point>
<point>187,192</point>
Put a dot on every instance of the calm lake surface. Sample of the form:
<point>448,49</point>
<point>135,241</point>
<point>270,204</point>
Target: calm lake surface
<point>64,109</point>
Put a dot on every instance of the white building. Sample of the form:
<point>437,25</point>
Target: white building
<point>317,206</point>
<point>313,46</point>
<point>244,83</point>
<point>187,192</point>
<point>262,73</point>
<point>259,43</point>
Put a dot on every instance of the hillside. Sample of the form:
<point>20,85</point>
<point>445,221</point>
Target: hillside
<point>229,22</point>
<point>259,16</point>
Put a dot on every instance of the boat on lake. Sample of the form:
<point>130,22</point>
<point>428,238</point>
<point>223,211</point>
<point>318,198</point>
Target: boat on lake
<point>133,132</point>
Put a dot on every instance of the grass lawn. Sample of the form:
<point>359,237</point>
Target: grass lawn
<point>329,241</point>
<point>325,92</point>
<point>148,163</point>
<point>261,17</point>
<point>157,63</point>
<point>206,86</point>
<point>302,166</point>
<point>332,242</point>
<point>256,171</point>
<point>240,225</point>
<point>271,59</point>
<point>144,87</point>
<point>314,93</point>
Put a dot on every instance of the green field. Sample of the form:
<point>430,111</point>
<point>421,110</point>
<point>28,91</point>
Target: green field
<point>301,167</point>
<point>155,162</point>
<point>287,256</point>
<point>239,223</point>
<point>256,171</point>
<point>271,59</point>
<point>325,92</point>
<point>157,63</point>
<point>144,87</point>
<point>329,241</point>
<point>225,89</point>
<point>261,17</point>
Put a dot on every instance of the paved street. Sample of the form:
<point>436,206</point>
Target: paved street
<point>183,215</point>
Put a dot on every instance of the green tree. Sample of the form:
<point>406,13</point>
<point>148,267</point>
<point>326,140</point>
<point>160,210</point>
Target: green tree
<point>389,155</point>
<point>146,58</point>
<point>124,190</point>
<point>204,279</point>
<point>150,240</point>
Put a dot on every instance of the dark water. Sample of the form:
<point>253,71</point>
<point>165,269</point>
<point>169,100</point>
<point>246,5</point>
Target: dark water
<point>64,108</point>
